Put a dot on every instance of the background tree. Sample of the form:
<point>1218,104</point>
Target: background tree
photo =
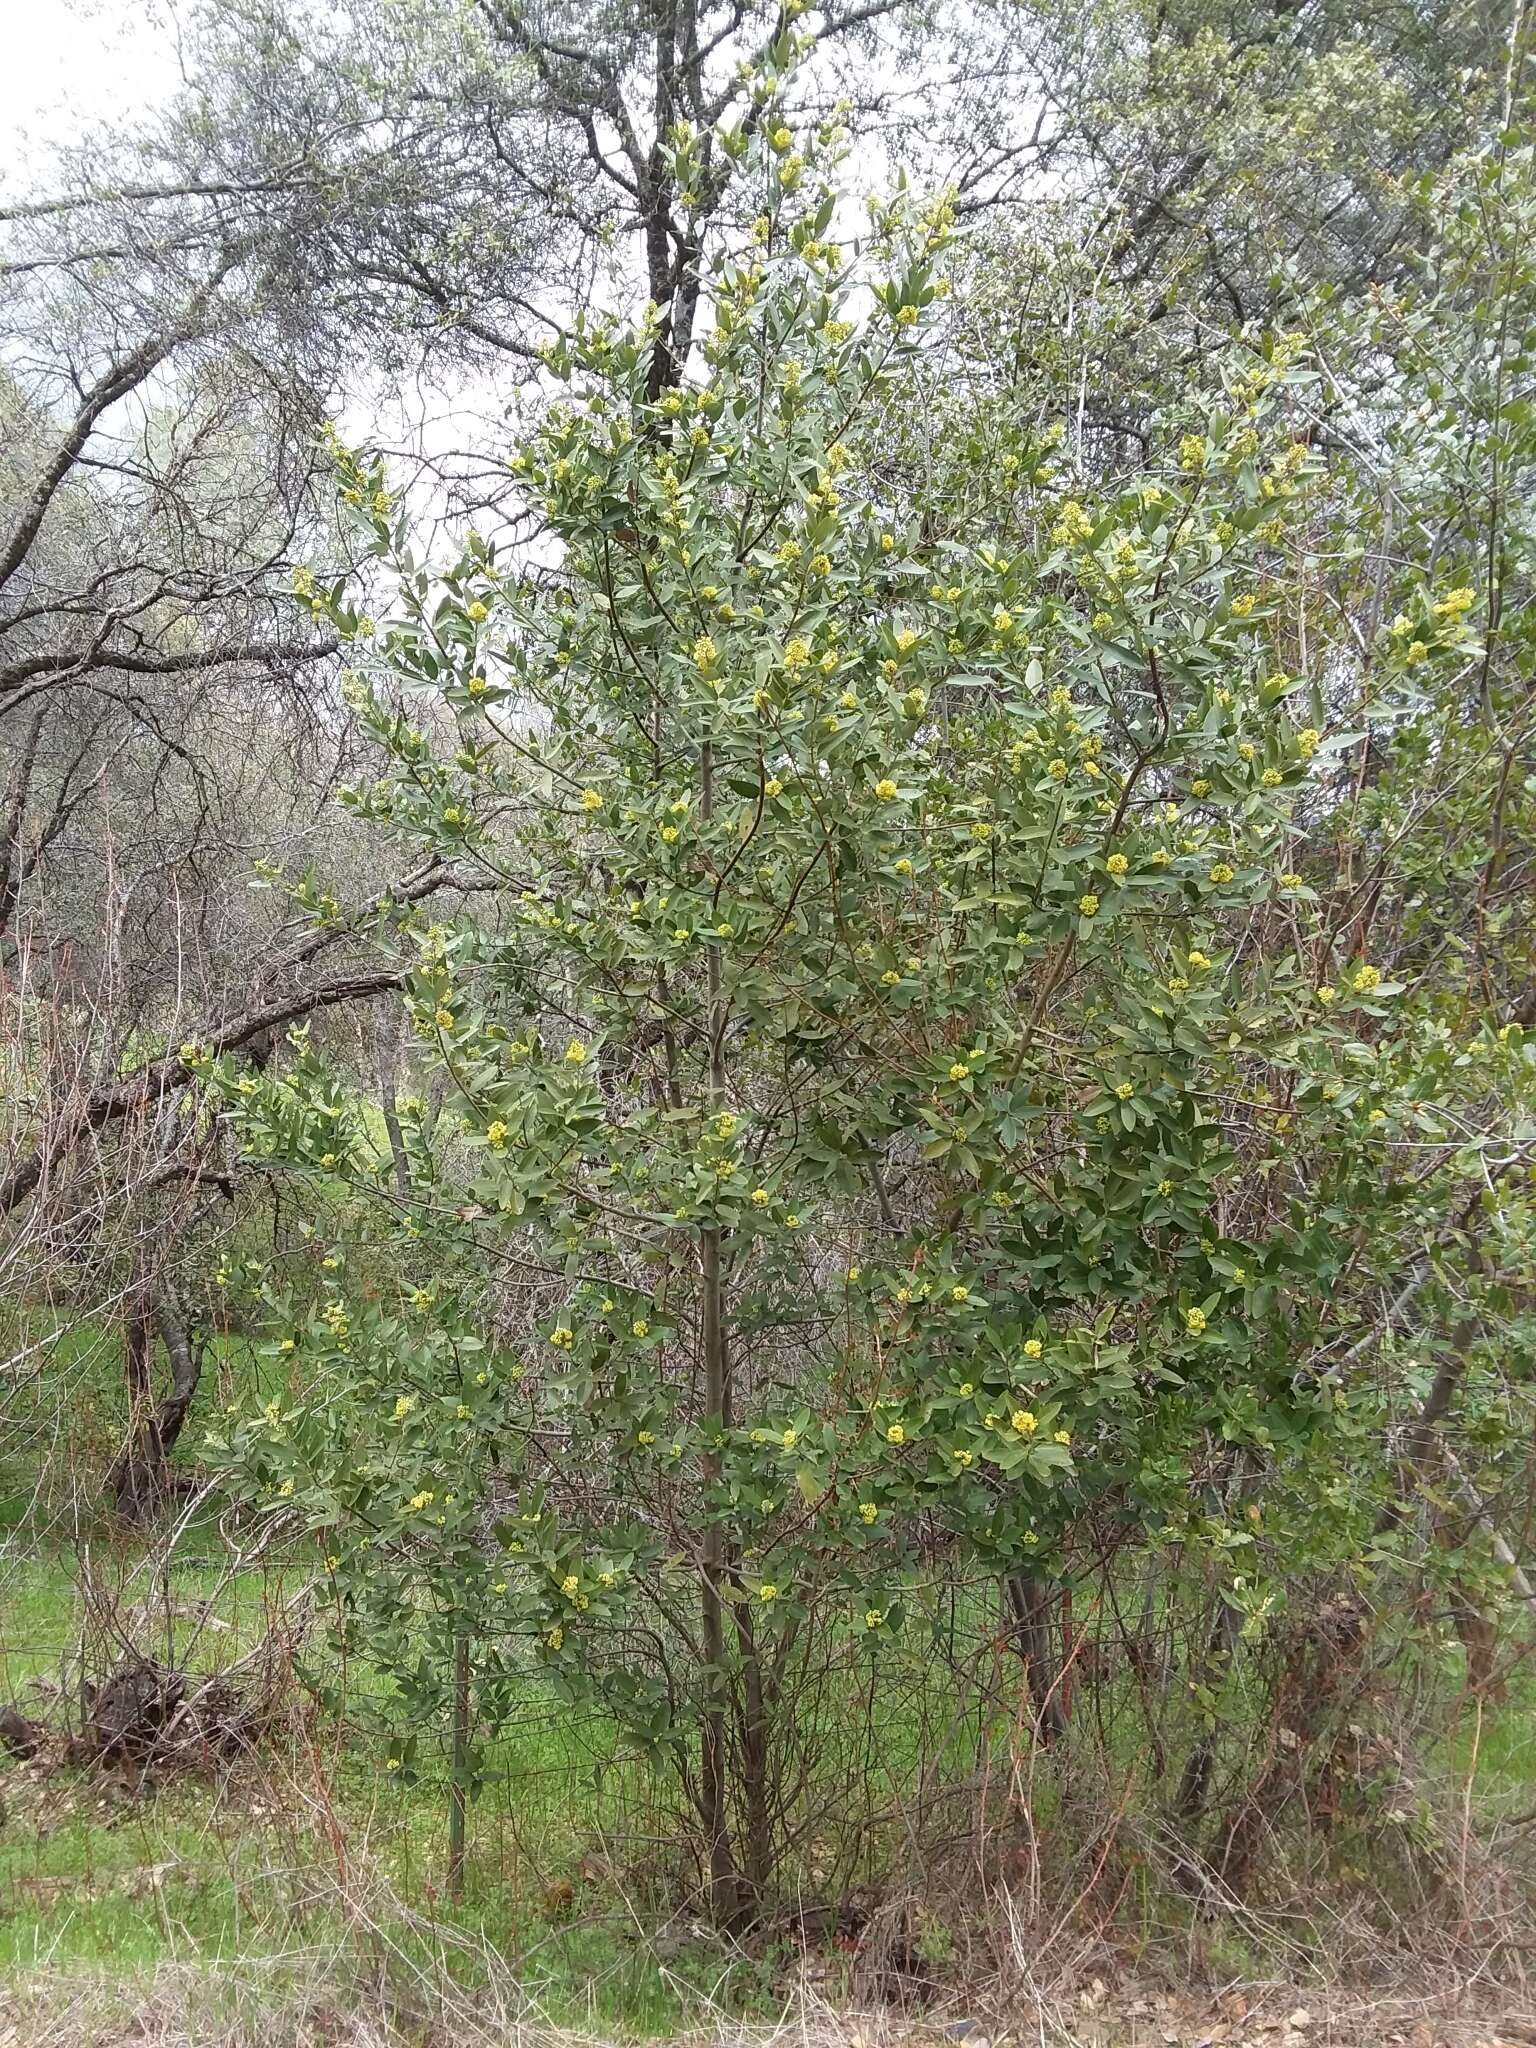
<point>326,210</point>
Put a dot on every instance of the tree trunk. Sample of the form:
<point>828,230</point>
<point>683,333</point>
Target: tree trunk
<point>1319,1681</point>
<point>1030,1599</point>
<point>1195,1785</point>
<point>756,1765</point>
<point>387,1055</point>
<point>140,1480</point>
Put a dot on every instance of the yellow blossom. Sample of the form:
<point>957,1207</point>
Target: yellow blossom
<point>1024,1422</point>
<point>591,800</point>
<point>895,1434</point>
<point>1194,1320</point>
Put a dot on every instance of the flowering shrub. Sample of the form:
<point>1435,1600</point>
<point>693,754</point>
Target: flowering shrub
<point>904,1042</point>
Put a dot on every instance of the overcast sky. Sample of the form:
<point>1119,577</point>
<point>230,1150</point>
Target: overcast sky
<point>68,61</point>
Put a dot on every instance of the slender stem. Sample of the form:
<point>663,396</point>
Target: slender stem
<point>717,1419</point>
<point>458,1798</point>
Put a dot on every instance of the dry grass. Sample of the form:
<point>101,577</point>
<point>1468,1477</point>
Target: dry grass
<point>289,2005</point>
<point>395,1979</point>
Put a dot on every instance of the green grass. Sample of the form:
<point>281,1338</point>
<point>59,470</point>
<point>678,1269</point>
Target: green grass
<point>313,1846</point>
<point>185,1879</point>
<point>314,1849</point>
